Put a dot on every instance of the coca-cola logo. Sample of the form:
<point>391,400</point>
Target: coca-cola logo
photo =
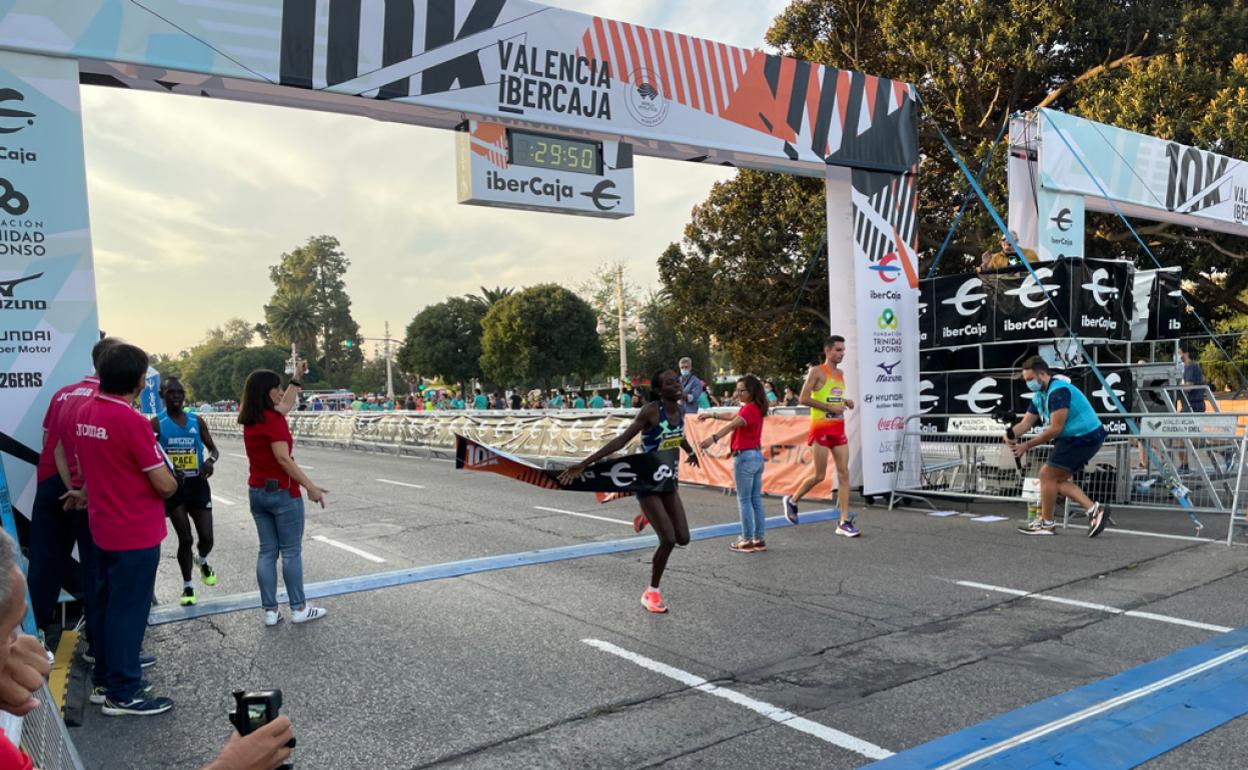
<point>896,423</point>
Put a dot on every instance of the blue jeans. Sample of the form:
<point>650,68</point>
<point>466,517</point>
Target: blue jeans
<point>123,592</point>
<point>747,470</point>
<point>279,522</point>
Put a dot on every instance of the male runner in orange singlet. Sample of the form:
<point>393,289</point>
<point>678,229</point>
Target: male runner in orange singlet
<point>824,393</point>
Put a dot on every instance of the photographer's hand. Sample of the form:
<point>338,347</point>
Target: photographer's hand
<point>264,749</point>
<point>22,674</point>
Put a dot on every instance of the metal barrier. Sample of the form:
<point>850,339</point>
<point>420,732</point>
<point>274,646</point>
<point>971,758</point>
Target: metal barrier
<point>1239,502</point>
<point>551,435</point>
<point>41,733</point>
<point>1199,457</point>
<point>43,736</point>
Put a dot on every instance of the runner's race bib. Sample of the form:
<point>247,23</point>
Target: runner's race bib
<point>186,462</point>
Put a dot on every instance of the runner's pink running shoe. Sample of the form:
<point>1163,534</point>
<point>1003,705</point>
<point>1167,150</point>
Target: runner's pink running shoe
<point>653,602</point>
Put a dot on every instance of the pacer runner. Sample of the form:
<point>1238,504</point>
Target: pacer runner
<point>824,393</point>
<point>661,424</point>
<point>183,437</point>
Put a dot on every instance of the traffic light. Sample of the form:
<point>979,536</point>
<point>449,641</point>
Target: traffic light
<point>348,344</point>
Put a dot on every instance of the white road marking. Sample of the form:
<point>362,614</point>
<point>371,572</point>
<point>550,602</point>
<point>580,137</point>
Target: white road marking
<point>1099,607</point>
<point>583,515</point>
<point>1159,534</point>
<point>236,454</point>
<point>1091,711</point>
<point>305,467</point>
<point>350,548</point>
<point>399,483</point>
<point>774,713</point>
<point>223,501</point>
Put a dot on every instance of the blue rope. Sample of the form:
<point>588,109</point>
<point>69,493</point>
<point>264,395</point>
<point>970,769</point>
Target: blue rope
<point>1239,373</point>
<point>970,196</point>
<point>1176,487</point>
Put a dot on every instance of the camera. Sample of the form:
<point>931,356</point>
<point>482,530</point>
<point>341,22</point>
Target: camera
<point>254,710</point>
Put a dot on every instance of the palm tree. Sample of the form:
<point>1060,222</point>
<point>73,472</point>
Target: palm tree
<point>292,318</point>
<point>488,297</point>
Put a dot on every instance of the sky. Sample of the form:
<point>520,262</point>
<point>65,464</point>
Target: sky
<point>193,199</point>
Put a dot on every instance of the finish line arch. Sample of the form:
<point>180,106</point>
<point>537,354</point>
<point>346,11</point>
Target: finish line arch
<point>447,64</point>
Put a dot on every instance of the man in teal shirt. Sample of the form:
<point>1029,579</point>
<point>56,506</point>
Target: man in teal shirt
<point>556,400</point>
<point>458,401</point>
<point>578,402</point>
<point>597,401</point>
<point>626,400</point>
<point>480,402</point>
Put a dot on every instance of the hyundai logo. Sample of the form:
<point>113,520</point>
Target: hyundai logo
<point>1032,294</point>
<point>979,394</point>
<point>966,295</point>
<point>886,268</point>
<point>1063,220</point>
<point>1101,292</point>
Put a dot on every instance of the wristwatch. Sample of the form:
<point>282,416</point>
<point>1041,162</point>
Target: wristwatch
<point>296,383</point>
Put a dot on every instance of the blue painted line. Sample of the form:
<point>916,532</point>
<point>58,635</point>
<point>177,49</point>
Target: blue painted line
<point>453,569</point>
<point>1123,736</point>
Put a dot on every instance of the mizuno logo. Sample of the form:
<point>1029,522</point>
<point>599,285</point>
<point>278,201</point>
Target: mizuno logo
<point>6,287</point>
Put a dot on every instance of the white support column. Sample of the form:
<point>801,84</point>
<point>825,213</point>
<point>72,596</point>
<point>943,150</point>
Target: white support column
<point>843,301</point>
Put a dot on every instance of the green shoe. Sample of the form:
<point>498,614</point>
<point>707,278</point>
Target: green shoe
<point>205,572</point>
<point>188,597</point>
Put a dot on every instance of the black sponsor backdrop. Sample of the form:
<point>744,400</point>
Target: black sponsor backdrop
<point>962,310</point>
<point>1102,298</point>
<point>1009,306</point>
<point>943,395</point>
<point>1166,314</point>
<point>927,314</point>
<point>977,393</point>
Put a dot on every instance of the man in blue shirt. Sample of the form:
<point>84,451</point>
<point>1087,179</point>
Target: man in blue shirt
<point>691,385</point>
<point>1076,434</point>
<point>1193,399</point>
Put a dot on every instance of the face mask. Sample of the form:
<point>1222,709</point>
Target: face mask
<point>685,372</point>
<point>1034,386</point>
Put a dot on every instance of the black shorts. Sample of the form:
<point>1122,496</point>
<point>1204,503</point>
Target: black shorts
<point>194,493</point>
<point>1071,454</point>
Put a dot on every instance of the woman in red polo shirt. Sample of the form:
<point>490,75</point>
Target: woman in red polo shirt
<point>746,428</point>
<point>274,481</point>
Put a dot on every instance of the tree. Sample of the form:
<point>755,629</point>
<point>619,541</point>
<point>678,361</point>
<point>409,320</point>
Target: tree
<point>217,373</point>
<point>538,334</point>
<point>662,342</point>
<point>742,276</point>
<point>444,340</point>
<point>292,318</point>
<point>316,270</point>
<point>235,333</point>
<point>600,292</point>
<point>371,378</point>
<point>488,297</point>
<point>1170,69</point>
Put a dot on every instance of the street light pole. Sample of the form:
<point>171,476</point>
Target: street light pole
<point>389,372</point>
<point>619,306</point>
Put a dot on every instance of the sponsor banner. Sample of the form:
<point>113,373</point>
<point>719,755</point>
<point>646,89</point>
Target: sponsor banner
<point>962,310</point>
<point>1181,425</point>
<point>884,361</point>
<point>1167,308</point>
<point>786,457</point>
<point>927,314</point>
<point>1022,310</point>
<point>1168,181</point>
<point>611,478</point>
<point>1060,225</point>
<point>1102,298</point>
<point>977,393</point>
<point>520,169</point>
<point>48,319</point>
<point>506,61</point>
<point>933,400</point>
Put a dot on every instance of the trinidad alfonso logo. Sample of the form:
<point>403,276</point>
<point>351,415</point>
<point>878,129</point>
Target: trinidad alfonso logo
<point>887,320</point>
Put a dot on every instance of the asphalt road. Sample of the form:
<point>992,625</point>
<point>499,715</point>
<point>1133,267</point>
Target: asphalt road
<point>873,638</point>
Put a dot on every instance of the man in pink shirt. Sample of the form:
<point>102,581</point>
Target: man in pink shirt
<point>127,478</point>
<point>53,530</point>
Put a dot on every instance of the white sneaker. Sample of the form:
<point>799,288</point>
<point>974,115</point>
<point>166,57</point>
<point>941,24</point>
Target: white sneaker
<point>306,614</point>
<point>271,617</point>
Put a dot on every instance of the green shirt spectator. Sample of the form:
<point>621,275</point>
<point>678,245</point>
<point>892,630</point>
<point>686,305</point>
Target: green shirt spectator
<point>480,402</point>
<point>556,401</point>
<point>703,401</point>
<point>458,403</point>
<point>597,402</point>
<point>626,401</point>
<point>579,403</point>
